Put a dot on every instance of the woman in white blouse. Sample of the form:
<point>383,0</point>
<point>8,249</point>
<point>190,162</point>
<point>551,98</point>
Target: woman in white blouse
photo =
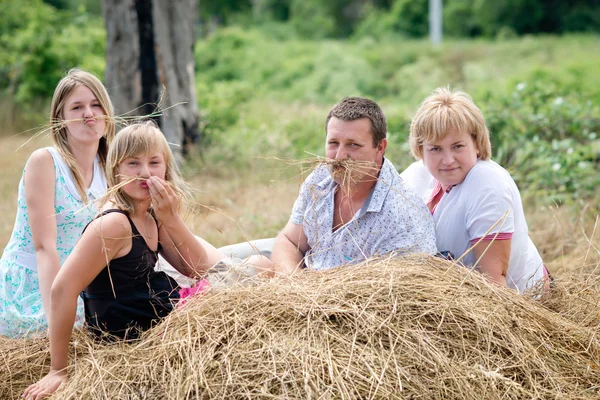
<point>475,203</point>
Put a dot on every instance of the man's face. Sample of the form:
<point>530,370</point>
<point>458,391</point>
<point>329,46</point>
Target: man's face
<point>353,140</point>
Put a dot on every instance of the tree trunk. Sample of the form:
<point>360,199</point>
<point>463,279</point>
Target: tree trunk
<point>149,57</point>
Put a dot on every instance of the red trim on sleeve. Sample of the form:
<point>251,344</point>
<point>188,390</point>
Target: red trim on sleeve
<point>494,236</point>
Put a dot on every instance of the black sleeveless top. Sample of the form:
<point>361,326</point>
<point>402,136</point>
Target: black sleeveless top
<point>141,295</point>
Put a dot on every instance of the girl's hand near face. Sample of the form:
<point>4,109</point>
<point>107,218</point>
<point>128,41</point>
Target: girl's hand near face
<point>164,199</point>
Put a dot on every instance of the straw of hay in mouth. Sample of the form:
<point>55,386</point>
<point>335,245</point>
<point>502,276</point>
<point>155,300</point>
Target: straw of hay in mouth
<point>387,328</point>
<point>349,169</point>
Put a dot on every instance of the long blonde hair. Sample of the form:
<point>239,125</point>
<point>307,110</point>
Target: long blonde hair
<point>73,79</point>
<point>447,109</point>
<point>134,140</point>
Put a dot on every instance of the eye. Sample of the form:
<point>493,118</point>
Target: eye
<point>132,163</point>
<point>76,107</point>
<point>434,148</point>
<point>355,145</point>
<point>459,146</point>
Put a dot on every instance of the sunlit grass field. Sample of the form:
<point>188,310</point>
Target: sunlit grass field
<point>233,206</point>
<point>262,97</point>
<point>228,207</point>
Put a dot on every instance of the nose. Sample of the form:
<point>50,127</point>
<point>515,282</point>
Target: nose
<point>87,112</point>
<point>341,154</point>
<point>145,171</point>
<point>448,158</point>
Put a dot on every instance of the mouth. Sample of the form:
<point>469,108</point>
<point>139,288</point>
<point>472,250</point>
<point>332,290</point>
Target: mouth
<point>144,184</point>
<point>337,169</point>
<point>89,121</point>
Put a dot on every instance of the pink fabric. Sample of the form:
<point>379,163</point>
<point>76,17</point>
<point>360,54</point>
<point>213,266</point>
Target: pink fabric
<point>199,288</point>
<point>436,190</point>
<point>547,281</point>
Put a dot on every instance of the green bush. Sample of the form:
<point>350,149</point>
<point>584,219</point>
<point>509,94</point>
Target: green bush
<point>311,19</point>
<point>260,96</point>
<point>543,133</point>
<point>40,43</point>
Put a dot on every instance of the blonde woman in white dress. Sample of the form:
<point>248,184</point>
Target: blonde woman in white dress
<point>55,202</point>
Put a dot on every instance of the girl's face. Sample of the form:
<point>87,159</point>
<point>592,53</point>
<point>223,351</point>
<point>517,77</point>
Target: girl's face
<point>142,166</point>
<point>83,107</point>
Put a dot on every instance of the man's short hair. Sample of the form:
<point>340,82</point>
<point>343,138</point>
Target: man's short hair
<point>353,108</point>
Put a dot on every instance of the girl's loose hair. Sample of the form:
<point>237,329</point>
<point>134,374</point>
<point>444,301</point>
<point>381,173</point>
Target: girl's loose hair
<point>447,109</point>
<point>73,79</point>
<point>132,141</point>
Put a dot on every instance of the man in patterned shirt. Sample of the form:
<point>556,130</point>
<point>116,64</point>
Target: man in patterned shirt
<point>354,207</point>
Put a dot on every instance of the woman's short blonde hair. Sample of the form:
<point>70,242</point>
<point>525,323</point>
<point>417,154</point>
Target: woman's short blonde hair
<point>447,109</point>
<point>143,138</point>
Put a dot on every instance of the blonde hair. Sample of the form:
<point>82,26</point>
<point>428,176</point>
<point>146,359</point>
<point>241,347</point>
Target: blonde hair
<point>141,139</point>
<point>73,79</point>
<point>447,109</point>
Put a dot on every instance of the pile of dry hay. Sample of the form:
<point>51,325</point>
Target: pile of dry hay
<point>403,328</point>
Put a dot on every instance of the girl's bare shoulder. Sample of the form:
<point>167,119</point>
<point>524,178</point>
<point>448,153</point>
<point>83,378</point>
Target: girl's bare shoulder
<point>112,225</point>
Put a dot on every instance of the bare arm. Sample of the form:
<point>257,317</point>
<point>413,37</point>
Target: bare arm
<point>494,262</point>
<point>39,181</point>
<point>100,243</point>
<point>191,256</point>
<point>290,247</point>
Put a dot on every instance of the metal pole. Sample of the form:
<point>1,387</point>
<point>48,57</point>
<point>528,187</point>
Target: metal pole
<point>435,21</point>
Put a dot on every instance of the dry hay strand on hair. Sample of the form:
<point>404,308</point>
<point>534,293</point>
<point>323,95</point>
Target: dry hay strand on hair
<point>414,327</point>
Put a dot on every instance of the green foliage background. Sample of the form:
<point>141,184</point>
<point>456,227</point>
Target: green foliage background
<point>268,71</point>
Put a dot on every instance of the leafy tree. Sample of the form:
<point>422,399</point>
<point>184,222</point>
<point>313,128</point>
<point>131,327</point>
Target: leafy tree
<point>522,16</point>
<point>40,43</point>
<point>410,17</point>
<point>311,19</point>
<point>459,19</point>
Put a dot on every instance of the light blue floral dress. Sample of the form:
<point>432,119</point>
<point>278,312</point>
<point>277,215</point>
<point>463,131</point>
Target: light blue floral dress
<point>21,310</point>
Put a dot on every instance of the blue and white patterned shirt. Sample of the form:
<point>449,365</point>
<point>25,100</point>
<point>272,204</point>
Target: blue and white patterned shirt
<point>393,218</point>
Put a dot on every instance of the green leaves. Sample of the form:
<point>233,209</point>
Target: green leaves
<point>546,134</point>
<point>41,43</point>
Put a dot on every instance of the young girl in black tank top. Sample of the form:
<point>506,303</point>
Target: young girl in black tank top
<point>128,295</point>
<point>113,261</point>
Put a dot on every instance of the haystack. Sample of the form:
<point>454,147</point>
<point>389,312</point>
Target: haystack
<point>409,328</point>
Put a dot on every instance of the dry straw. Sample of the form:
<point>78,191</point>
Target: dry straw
<point>409,328</point>
<point>119,120</point>
<point>349,172</point>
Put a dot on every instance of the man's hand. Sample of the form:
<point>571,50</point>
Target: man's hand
<point>290,247</point>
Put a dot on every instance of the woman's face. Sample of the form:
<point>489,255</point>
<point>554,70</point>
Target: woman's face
<point>83,107</point>
<point>450,159</point>
<point>142,166</point>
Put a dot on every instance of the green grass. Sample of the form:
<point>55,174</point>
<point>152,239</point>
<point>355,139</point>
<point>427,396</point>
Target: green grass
<point>268,96</point>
